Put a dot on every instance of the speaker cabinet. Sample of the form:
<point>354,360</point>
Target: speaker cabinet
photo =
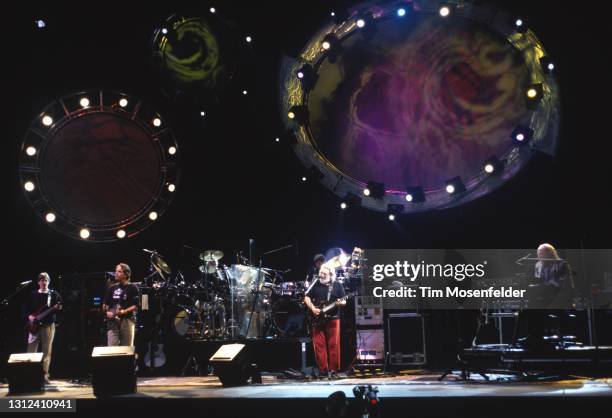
<point>113,370</point>
<point>232,367</point>
<point>25,373</point>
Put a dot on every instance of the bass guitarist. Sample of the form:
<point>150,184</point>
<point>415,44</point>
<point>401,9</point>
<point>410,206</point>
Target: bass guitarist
<point>326,332</point>
<point>40,308</point>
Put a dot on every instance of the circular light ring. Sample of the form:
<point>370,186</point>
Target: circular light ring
<point>104,105</point>
<point>544,120</point>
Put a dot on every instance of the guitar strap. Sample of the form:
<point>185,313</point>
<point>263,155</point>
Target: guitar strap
<point>329,289</point>
<point>49,298</point>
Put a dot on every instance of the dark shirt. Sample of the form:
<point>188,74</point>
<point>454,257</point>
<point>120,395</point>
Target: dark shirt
<point>124,296</point>
<point>556,274</point>
<point>319,296</point>
<point>39,302</point>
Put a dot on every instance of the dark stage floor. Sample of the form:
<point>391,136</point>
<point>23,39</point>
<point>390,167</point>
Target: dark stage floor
<point>415,394</point>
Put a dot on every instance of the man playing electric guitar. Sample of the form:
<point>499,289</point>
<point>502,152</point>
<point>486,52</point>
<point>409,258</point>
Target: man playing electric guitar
<point>40,307</point>
<point>120,305</point>
<point>326,333</point>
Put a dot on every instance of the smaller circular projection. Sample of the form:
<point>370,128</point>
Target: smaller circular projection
<point>98,171</point>
<point>412,99</point>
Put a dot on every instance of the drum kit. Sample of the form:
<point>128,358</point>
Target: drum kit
<point>227,301</point>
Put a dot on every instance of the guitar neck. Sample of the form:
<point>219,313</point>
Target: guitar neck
<point>43,314</point>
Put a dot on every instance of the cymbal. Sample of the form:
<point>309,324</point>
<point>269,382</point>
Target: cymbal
<point>338,261</point>
<point>160,264</point>
<point>211,255</point>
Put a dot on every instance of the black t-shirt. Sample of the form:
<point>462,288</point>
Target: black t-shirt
<point>38,302</point>
<point>124,296</point>
<point>319,295</point>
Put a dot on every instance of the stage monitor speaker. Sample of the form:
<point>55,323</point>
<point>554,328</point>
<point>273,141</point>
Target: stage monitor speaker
<point>113,370</point>
<point>232,367</point>
<point>25,373</point>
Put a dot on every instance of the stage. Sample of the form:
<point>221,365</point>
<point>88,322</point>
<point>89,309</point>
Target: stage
<point>417,393</point>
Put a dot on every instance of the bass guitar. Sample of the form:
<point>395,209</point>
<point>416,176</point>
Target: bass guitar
<point>34,325</point>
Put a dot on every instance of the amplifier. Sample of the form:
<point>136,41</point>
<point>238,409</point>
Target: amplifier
<point>368,310</point>
<point>406,339</point>
<point>370,346</point>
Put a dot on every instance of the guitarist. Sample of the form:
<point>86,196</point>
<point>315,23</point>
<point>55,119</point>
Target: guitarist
<point>326,334</point>
<point>120,305</point>
<point>41,306</point>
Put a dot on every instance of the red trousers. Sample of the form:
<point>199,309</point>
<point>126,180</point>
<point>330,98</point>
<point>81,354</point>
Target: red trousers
<point>326,343</point>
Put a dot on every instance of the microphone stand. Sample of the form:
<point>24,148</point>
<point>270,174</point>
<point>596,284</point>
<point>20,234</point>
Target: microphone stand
<point>257,284</point>
<point>20,287</point>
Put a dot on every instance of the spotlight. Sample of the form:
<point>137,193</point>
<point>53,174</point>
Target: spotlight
<point>304,178</point>
<point>455,185</point>
<point>343,206</point>
<point>522,134</point>
<point>366,192</point>
<point>393,210</point>
<point>248,39</point>
<point>401,12</point>
<point>520,26</point>
<point>244,92</point>
<point>171,187</point>
<point>153,215</point>
<point>29,186</point>
<point>298,114</point>
<point>157,122</point>
<point>277,139</point>
<point>121,234</point>
<point>493,166</point>
<point>329,41</point>
<point>332,14</point>
<point>84,233</point>
<point>360,23</point>
<point>123,102</point>
<point>307,76</point>
<point>202,113</point>
<point>377,190</point>
<point>326,45</point>
<point>534,94</point>
<point>31,151</point>
<point>415,194</point>
<point>547,65</point>
<point>445,9</point>
<point>213,10</point>
<point>50,217</point>
<point>84,102</point>
<point>172,150</point>
<point>40,23</point>
<point>164,31</point>
<point>47,120</point>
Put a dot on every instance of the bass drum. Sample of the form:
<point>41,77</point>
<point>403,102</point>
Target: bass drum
<point>183,322</point>
<point>289,318</point>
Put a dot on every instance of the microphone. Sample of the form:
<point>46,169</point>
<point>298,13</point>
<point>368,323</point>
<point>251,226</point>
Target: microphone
<point>110,273</point>
<point>26,282</point>
<point>149,251</point>
<point>287,271</point>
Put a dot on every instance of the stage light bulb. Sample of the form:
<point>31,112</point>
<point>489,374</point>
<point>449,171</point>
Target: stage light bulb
<point>84,102</point>
<point>202,113</point>
<point>29,186</point>
<point>401,12</point>
<point>157,122</point>
<point>332,14</point>
<point>172,150</point>
<point>40,24</point>
<point>121,234</point>
<point>518,23</point>
<point>360,23</point>
<point>343,205</point>
<point>171,187</point>
<point>249,39</point>
<point>551,66</point>
<point>391,217</point>
<point>153,215</point>
<point>213,10</point>
<point>291,115</point>
<point>409,197</point>
<point>489,168</point>
<point>300,74</point>
<point>304,178</point>
<point>366,192</point>
<point>31,151</point>
<point>326,45</point>
<point>47,120</point>
<point>520,137</point>
<point>50,217</point>
<point>532,93</point>
<point>123,102</point>
<point>84,233</point>
<point>450,189</point>
<point>444,11</point>
<point>277,139</point>
<point>164,31</point>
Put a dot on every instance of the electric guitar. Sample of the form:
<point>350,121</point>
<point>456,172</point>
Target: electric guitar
<point>323,317</point>
<point>34,326</point>
<point>155,356</point>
